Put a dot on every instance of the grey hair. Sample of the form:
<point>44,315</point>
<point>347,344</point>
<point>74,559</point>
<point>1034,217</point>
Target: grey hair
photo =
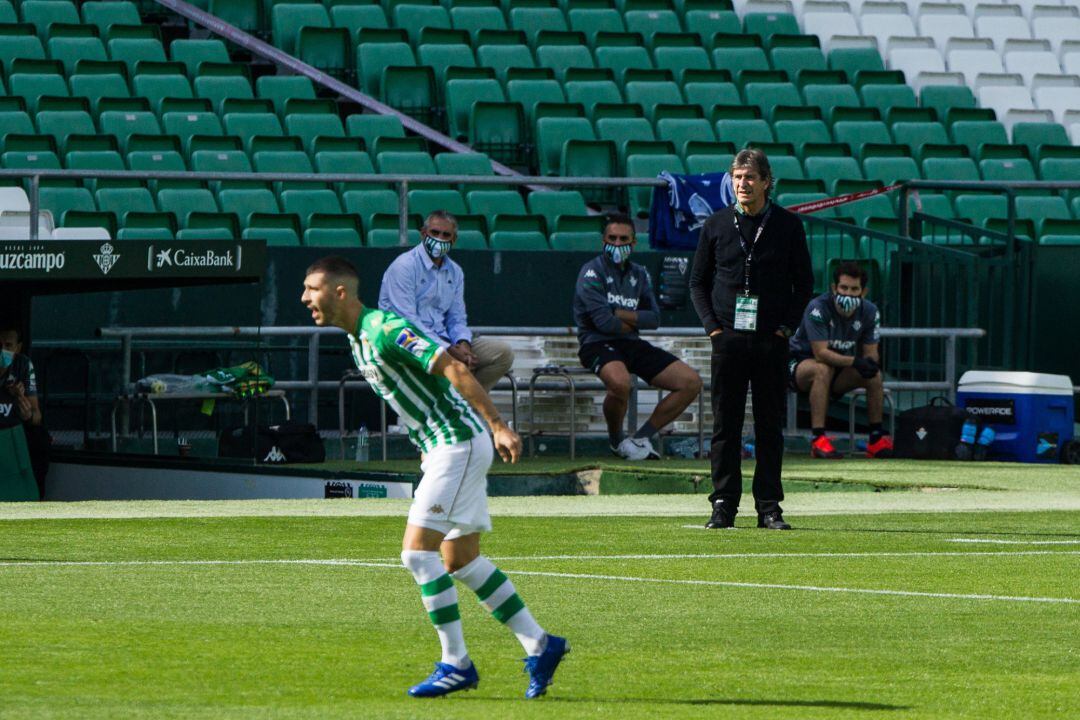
<point>755,159</point>
<point>441,215</point>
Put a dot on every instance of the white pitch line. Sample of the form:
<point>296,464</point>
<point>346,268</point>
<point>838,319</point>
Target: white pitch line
<point>574,576</point>
<point>807,588</point>
<point>731,556</point>
<point>989,541</point>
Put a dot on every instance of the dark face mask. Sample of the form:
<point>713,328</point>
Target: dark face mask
<point>618,253</point>
<point>437,248</point>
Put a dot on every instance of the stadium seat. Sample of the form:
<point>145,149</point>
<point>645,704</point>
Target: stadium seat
<point>535,20</point>
<point>72,50</point>
<point>976,134</point>
<point>59,200</point>
<point>623,61</point>
<point>193,53</point>
<point>219,89</point>
<point>648,166</point>
<point>370,127</point>
<point>740,133</point>
<point>801,132</point>
<point>832,170</point>
<point>889,170</point>
<point>518,241</point>
<point>474,19</point>
<point>104,15</point>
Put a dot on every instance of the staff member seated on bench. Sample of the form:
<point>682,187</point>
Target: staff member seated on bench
<point>614,299</point>
<point>834,351</point>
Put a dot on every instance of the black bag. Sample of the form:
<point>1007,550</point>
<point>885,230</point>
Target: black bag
<point>289,442</point>
<point>930,432</point>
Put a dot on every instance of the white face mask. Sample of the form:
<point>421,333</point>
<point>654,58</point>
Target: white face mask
<point>437,248</point>
<point>846,305</point>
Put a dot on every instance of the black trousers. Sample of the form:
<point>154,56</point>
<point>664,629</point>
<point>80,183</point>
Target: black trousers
<point>757,360</point>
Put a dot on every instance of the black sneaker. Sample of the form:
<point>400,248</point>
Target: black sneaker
<point>772,521</point>
<point>723,517</point>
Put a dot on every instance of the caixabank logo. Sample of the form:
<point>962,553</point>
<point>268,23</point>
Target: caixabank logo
<point>170,257</point>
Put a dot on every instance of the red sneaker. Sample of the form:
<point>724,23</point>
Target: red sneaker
<point>881,449</point>
<point>822,447</point>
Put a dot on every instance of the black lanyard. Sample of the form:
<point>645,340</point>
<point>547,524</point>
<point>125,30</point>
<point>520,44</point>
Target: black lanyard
<point>748,250</point>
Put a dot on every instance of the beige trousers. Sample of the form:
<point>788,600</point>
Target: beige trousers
<point>494,360</point>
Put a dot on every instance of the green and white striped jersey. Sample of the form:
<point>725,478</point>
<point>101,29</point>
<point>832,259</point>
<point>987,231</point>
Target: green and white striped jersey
<point>396,359</point>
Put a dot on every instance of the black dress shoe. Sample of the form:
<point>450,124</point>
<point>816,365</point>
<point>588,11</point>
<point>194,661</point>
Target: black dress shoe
<point>772,521</point>
<point>723,517</point>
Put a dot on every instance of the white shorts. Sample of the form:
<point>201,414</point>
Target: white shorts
<point>452,495</point>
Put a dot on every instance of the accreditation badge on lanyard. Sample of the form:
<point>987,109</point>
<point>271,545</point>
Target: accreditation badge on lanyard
<point>746,305</point>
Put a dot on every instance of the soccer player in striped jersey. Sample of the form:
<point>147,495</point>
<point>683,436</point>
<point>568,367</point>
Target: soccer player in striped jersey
<point>445,409</point>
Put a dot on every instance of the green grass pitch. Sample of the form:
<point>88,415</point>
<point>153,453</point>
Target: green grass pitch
<point>300,609</point>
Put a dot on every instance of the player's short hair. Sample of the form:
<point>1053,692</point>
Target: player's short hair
<point>851,269</point>
<point>756,160</point>
<point>441,215</point>
<point>617,218</point>
<point>336,267</point>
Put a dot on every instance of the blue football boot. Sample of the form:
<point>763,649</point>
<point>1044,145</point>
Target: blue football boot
<point>542,667</point>
<point>445,680</point>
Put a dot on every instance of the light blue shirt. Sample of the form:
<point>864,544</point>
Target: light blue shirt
<point>430,297</point>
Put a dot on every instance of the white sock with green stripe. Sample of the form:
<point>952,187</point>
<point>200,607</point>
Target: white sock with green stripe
<point>497,594</point>
<point>441,602</point>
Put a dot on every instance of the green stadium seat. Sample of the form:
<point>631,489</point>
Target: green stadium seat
<point>219,89</point>
<point>505,59</point>
<point>942,98</point>
<point>121,201</point>
<point>274,236</point>
<point>193,53</point>
<point>564,59</point>
<point>519,241</point>
<point>232,161</point>
<point>888,97</point>
<point>737,60</point>
<point>855,60</point>
<point>768,96</point>
<point>424,202</point>
<point>707,95</point>
<point>1060,231</point>
<point>245,15</point>
<point>391,238</point>
<point>287,19</point>
<point>462,96</point>
<point>158,89</point>
<point>405,163</point>
<point>1007,170</point>
<point>553,205</point>
<point>105,92</point>
<point>183,203</point>
<point>1064,169</point>
<point>918,135</point>
<point>936,204</point>
<point>591,93</point>
<point>281,89</point>
<point>450,163</point>
<point>654,97</point>
<point>42,14</point>
<point>374,58</point>
<point>648,23</point>
<point>370,127</point>
<point>552,134</point>
<point>976,134</point>
<point>1040,209</point>
<point>446,60</point>
<point>531,93</point>
<point>60,200</point>
<point>34,88</point>
<point>158,161</point>
<point>859,134</point>
<point>71,50</point>
<point>679,60</point>
<point>625,134</point>
<point>767,24</point>
<point>799,133</point>
<point>740,133</point>
<point>592,21</point>
<point>981,208</point>
<point>356,18</point>
<point>682,132</point>
<point>889,170</point>
<point>367,203</point>
<point>105,15</point>
<point>832,170</point>
<point>315,130</point>
<point>346,162</point>
<point>648,166</point>
<point>284,161</point>
<point>190,125</point>
<point>496,205</point>
<point>134,52</point>
<point>99,160</point>
<point>19,47</point>
<point>474,19</point>
<point>308,204</point>
<point>73,130</point>
<point>244,202</point>
<point>830,97</point>
<point>534,20</point>
<point>1036,136</point>
<point>251,127</point>
<point>622,61</point>
<point>786,167</point>
<point>796,61</point>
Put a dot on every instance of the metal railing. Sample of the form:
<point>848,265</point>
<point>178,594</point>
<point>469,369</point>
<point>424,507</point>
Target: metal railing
<point>946,383</point>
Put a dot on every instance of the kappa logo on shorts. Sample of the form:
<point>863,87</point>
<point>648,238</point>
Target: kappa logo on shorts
<point>412,342</point>
<point>436,509</point>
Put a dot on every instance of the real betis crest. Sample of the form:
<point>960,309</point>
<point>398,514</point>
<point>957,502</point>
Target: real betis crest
<point>107,259</point>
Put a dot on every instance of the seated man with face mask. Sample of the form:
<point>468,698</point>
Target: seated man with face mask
<point>834,351</point>
<point>613,300</point>
<point>427,288</point>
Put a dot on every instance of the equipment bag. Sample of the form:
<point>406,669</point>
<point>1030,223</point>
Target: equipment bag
<point>930,432</point>
<point>289,442</point>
